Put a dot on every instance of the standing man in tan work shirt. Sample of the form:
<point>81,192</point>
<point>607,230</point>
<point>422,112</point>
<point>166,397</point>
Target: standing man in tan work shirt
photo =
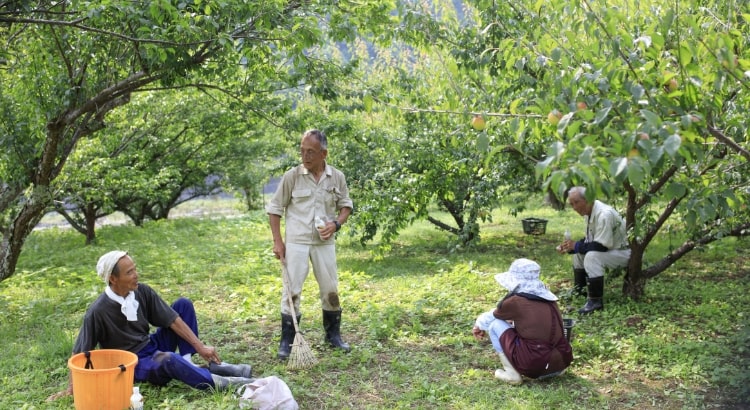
<point>312,190</point>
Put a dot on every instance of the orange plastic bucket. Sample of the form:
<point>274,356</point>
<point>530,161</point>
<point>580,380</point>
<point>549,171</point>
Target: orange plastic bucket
<point>107,384</point>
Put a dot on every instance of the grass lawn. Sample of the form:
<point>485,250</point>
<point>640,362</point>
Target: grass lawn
<point>407,314</point>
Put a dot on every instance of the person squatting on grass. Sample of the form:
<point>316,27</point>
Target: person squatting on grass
<point>120,319</point>
<point>604,246</point>
<point>311,190</point>
<point>526,328</point>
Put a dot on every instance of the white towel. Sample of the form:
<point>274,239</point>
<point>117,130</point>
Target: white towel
<point>129,306</point>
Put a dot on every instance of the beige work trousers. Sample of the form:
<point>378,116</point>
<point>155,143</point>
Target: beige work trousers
<point>596,262</point>
<point>323,258</point>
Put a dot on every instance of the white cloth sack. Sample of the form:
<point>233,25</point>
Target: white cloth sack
<point>268,393</point>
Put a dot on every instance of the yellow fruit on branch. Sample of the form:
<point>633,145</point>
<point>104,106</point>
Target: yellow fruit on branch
<point>554,117</point>
<point>671,85</point>
<point>478,123</point>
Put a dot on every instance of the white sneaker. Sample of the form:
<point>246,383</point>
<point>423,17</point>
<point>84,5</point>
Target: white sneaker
<point>504,376</point>
<point>508,374</point>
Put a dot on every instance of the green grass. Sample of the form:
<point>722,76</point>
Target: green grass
<point>407,314</point>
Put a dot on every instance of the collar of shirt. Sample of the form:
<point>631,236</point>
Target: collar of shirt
<point>326,170</point>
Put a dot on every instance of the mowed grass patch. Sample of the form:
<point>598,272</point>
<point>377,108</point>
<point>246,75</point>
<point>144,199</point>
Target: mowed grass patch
<point>407,314</point>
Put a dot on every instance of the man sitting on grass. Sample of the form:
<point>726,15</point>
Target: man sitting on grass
<point>120,319</point>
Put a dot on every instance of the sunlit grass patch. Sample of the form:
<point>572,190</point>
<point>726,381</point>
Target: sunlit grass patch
<point>407,314</point>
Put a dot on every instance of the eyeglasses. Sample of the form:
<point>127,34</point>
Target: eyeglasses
<point>308,153</point>
<point>575,201</point>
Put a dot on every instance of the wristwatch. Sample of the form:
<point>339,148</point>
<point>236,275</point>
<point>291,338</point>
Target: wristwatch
<point>338,225</point>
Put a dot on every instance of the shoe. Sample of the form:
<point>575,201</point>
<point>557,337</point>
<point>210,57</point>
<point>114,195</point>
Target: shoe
<point>233,370</point>
<point>595,300</point>
<point>508,374</point>
<point>592,305</point>
<point>579,286</point>
<point>222,383</point>
<point>287,335</point>
<point>332,326</point>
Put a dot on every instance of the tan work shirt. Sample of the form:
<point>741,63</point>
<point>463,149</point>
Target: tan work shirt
<point>606,226</point>
<point>300,199</point>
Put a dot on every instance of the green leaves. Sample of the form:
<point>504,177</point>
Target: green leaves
<point>651,118</point>
<point>672,144</point>
<point>67,67</point>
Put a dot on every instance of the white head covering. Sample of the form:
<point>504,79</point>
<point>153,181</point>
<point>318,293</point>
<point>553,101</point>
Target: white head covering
<point>523,277</point>
<point>106,263</point>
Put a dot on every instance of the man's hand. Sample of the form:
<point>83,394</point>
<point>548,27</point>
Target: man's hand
<point>566,246</point>
<point>209,354</point>
<point>279,249</point>
<point>327,231</point>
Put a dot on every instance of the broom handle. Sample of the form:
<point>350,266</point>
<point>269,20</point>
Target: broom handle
<point>288,285</point>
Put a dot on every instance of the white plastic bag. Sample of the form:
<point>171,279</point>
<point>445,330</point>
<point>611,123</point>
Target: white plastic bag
<point>268,393</point>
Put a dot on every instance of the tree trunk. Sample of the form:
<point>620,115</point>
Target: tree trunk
<point>248,199</point>
<point>14,238</point>
<point>90,214</point>
<point>634,283</point>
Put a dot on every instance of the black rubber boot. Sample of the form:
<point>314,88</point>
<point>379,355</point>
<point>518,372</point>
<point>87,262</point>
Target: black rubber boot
<point>595,299</point>
<point>222,383</point>
<point>287,335</point>
<point>332,326</point>
<point>579,284</point>
<point>231,370</point>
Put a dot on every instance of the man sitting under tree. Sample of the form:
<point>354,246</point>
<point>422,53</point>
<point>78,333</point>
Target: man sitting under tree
<point>605,246</point>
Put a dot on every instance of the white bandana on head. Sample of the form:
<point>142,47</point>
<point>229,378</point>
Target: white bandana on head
<point>106,263</point>
<point>104,267</point>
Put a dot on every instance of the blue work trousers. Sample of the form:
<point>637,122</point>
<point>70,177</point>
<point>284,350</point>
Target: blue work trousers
<point>158,363</point>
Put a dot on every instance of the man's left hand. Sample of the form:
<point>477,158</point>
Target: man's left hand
<point>328,231</point>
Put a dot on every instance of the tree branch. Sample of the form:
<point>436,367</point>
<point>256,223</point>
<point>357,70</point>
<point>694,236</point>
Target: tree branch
<point>674,256</point>
<point>77,24</point>
<point>656,186</point>
<point>726,140</point>
<point>442,225</point>
<point>663,218</point>
<point>488,114</point>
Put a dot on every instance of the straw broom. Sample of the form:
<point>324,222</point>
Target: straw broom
<point>301,356</point>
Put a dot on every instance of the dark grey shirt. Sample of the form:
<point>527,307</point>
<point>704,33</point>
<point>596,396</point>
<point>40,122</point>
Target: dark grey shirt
<point>105,324</point>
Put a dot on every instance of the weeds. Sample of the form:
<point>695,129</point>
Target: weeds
<point>407,314</point>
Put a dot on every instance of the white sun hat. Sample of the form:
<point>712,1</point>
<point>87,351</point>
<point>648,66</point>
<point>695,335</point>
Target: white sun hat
<point>523,277</point>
